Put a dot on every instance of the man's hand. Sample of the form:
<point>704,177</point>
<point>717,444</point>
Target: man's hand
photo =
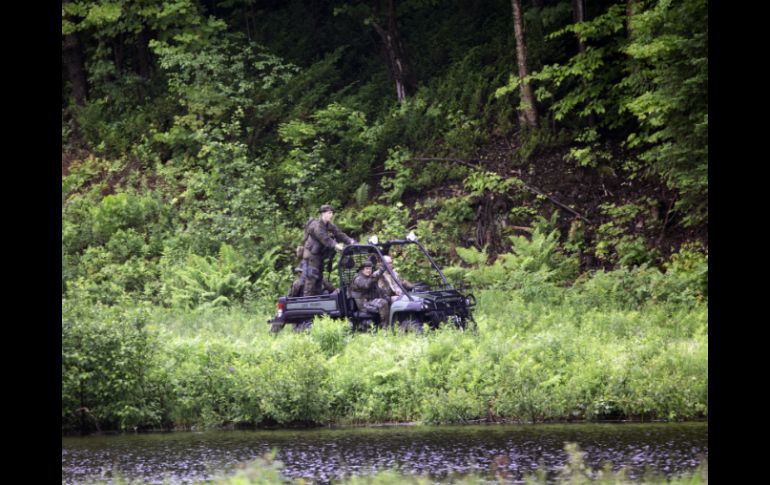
<point>339,246</point>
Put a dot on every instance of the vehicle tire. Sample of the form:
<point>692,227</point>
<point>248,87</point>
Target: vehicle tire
<point>458,322</point>
<point>276,327</point>
<point>302,326</point>
<point>366,325</point>
<point>470,325</point>
<point>409,322</point>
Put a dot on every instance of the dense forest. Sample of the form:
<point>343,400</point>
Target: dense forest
<point>551,154</point>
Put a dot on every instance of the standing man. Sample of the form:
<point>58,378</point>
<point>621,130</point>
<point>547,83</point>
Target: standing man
<point>298,287</point>
<point>320,242</point>
<point>364,290</point>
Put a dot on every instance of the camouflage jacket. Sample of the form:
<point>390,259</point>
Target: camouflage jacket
<point>365,287</point>
<point>320,238</point>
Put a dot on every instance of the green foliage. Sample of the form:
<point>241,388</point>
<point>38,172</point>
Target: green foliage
<point>204,282</point>
<point>111,247</point>
<point>293,383</point>
<point>625,343</point>
<point>615,244</point>
<point>211,77</point>
<point>479,182</point>
<point>373,380</point>
<point>684,283</point>
<point>397,162</point>
<point>668,87</point>
<point>687,271</point>
<point>587,79</point>
<point>191,182</point>
<point>110,376</point>
<point>264,470</point>
<point>533,267</point>
<point>331,335</point>
<point>328,156</point>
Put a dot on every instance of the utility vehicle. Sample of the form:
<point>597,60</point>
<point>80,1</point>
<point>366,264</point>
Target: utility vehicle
<point>426,304</point>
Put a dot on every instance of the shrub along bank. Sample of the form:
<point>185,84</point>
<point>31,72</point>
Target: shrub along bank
<point>622,344</point>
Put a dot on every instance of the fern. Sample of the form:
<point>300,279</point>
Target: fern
<point>204,282</point>
<point>361,195</point>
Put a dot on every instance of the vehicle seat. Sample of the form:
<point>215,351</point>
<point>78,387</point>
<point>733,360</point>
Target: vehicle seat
<point>357,312</point>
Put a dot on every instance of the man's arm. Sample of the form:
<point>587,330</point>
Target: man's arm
<point>339,235</point>
<point>362,283</point>
<point>320,233</point>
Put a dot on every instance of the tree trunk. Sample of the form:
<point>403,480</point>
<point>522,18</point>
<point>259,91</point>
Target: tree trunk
<point>578,16</point>
<point>143,55</point>
<point>398,64</point>
<point>73,59</point>
<point>630,11</point>
<point>118,52</point>
<point>527,114</point>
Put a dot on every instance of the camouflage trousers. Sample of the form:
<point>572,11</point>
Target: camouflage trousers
<point>380,306</point>
<point>298,287</point>
<point>313,275</point>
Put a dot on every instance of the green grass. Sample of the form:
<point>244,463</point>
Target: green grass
<point>529,362</point>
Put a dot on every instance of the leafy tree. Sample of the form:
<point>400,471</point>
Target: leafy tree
<point>527,110</point>
<point>668,83</point>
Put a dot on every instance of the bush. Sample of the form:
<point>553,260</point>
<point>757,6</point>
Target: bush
<point>108,369</point>
<point>292,381</point>
<point>204,282</point>
<point>331,335</point>
<point>534,268</point>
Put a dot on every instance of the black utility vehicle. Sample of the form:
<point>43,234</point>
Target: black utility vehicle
<point>424,304</point>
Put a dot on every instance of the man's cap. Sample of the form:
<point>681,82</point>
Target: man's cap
<point>367,264</point>
<point>326,208</point>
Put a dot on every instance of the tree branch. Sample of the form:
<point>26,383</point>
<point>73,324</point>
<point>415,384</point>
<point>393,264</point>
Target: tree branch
<point>468,163</point>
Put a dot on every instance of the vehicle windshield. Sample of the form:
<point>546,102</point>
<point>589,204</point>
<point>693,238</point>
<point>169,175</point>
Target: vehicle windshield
<point>414,267</point>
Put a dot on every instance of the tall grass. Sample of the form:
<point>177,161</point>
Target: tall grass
<point>531,361</point>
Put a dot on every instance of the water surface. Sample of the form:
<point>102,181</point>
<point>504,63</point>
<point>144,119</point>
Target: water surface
<point>328,454</point>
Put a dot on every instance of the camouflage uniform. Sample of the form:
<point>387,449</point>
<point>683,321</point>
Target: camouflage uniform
<point>319,246</point>
<point>364,290</point>
<point>298,287</point>
<point>389,288</point>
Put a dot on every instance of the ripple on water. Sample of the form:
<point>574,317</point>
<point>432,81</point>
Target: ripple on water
<point>511,452</point>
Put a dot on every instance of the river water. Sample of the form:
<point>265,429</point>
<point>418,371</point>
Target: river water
<point>328,454</point>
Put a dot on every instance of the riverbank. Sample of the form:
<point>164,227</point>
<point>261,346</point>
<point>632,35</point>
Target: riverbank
<point>570,354</point>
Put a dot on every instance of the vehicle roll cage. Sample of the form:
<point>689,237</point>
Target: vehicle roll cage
<point>381,249</point>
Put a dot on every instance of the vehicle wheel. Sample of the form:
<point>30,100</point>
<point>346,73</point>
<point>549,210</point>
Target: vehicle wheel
<point>302,326</point>
<point>408,323</point>
<point>458,322</point>
<point>366,325</point>
<point>276,327</point>
<point>470,325</point>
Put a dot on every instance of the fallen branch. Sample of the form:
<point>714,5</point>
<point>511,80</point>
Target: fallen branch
<point>467,163</point>
<point>522,228</point>
<point>565,207</point>
<point>523,184</point>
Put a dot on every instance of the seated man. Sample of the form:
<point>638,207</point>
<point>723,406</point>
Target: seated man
<point>390,288</point>
<point>364,291</point>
